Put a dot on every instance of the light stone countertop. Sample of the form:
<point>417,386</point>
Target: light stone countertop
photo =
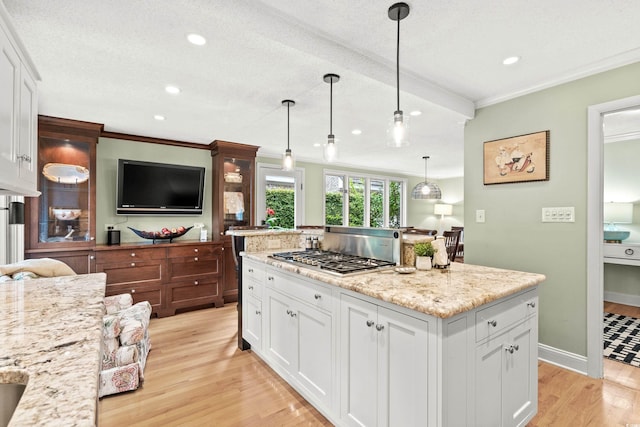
<point>441,293</point>
<point>51,330</point>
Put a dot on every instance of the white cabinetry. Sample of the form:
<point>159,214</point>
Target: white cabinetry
<point>506,383</point>
<point>299,333</point>
<point>383,366</point>
<point>252,289</point>
<point>18,115</point>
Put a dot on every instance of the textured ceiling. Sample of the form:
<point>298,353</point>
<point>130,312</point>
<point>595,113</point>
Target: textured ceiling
<point>109,61</point>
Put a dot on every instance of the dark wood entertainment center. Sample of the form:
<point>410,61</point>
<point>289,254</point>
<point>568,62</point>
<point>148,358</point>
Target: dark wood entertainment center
<point>176,276</point>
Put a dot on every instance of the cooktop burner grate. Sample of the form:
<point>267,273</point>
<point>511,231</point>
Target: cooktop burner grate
<point>333,261</point>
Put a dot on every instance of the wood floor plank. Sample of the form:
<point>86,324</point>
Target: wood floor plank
<point>196,376</point>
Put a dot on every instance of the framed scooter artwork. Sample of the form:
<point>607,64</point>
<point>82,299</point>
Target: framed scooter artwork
<point>522,158</point>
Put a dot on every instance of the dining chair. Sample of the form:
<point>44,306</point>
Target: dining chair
<point>451,238</point>
<point>460,252</point>
<point>420,231</point>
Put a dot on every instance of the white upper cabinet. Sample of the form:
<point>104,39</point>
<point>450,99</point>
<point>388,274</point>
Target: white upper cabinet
<point>18,115</point>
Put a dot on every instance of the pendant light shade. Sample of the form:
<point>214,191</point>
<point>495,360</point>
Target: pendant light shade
<point>330,149</point>
<point>425,189</point>
<point>397,131</point>
<point>288,163</point>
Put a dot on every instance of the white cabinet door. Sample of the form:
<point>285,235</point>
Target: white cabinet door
<point>358,362</point>
<point>315,364</point>
<point>384,365</point>
<point>281,340</point>
<point>9,103</point>
<point>506,377</point>
<point>27,157</point>
<point>252,322</point>
<point>403,380</point>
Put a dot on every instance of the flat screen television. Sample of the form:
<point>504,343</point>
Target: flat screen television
<point>147,188</point>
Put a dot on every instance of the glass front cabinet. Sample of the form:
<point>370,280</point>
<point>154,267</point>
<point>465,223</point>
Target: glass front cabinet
<point>63,217</point>
<point>233,200</point>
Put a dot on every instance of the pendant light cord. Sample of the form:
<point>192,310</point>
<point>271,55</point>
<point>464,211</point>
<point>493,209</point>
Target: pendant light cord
<point>398,66</point>
<point>331,108</point>
<point>426,158</point>
<point>288,105</point>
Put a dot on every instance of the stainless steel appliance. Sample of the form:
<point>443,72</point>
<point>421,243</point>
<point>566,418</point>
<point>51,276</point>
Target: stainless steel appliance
<point>350,250</point>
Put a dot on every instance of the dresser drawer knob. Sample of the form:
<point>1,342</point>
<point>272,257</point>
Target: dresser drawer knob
<point>492,323</point>
<point>133,254</point>
<point>195,250</point>
<point>195,282</point>
<point>195,258</point>
<point>133,291</point>
<point>133,264</point>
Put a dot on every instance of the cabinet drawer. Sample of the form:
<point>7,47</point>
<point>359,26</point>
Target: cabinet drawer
<point>492,320</point>
<point>134,254</point>
<point>311,293</point>
<point>252,271</point>
<point>145,292</point>
<point>193,292</point>
<point>132,272</point>
<point>252,288</point>
<point>193,266</point>
<point>188,251</point>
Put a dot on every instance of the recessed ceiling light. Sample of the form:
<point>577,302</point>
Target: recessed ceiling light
<point>196,39</point>
<point>158,117</point>
<point>173,90</point>
<point>356,131</point>
<point>511,60</point>
<point>415,113</point>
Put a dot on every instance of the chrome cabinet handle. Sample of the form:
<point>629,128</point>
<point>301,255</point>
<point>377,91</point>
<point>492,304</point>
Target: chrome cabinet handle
<point>250,287</point>
<point>317,296</point>
<point>370,323</point>
<point>293,314</point>
<point>512,348</point>
<point>258,312</point>
<point>516,347</point>
<point>531,304</point>
<point>25,158</point>
<point>289,312</point>
<point>270,278</point>
<point>250,270</point>
<point>628,251</point>
<point>493,323</point>
<point>379,327</point>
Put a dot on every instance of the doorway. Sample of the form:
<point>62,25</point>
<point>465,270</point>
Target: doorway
<point>595,219</point>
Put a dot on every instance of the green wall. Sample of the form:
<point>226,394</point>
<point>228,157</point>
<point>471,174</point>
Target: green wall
<point>513,235</point>
<point>109,151</point>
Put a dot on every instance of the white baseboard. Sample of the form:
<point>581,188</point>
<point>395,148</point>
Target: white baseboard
<point>620,298</point>
<point>564,359</point>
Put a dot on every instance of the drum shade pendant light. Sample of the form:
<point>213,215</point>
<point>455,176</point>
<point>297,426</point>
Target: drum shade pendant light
<point>397,133</point>
<point>330,148</point>
<point>287,158</point>
<point>425,189</point>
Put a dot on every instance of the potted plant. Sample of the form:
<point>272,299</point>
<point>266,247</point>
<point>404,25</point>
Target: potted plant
<point>424,252</point>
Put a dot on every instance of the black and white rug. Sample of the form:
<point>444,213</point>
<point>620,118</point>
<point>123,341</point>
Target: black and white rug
<point>622,338</point>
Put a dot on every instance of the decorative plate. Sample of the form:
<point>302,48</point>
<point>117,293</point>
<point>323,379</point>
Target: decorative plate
<point>405,270</point>
<point>157,235</point>
<point>65,174</point>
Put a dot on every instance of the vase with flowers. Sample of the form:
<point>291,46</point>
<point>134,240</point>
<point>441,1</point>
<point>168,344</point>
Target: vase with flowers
<point>271,218</point>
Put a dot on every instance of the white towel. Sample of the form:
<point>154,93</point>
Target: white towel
<point>440,258</point>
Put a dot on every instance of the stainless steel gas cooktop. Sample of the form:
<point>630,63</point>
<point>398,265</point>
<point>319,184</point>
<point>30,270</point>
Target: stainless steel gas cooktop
<point>334,262</point>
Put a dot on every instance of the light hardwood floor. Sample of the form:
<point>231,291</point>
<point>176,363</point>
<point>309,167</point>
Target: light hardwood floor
<point>196,376</point>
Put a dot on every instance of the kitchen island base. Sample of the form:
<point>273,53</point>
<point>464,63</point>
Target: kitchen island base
<point>361,360</point>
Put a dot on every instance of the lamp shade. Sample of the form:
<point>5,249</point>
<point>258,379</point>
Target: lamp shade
<point>618,213</point>
<point>442,209</point>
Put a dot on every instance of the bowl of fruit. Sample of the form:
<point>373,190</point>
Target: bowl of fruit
<point>164,234</point>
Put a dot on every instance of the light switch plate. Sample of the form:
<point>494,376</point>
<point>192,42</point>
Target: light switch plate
<point>561,214</point>
<point>479,215</point>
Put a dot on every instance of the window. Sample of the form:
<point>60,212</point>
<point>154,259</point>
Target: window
<point>282,192</point>
<point>372,201</point>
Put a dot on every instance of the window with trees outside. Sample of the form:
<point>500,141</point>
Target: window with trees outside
<point>359,200</point>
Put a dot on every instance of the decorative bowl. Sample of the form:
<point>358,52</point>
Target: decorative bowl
<point>66,214</point>
<point>616,235</point>
<point>65,174</point>
<point>157,235</point>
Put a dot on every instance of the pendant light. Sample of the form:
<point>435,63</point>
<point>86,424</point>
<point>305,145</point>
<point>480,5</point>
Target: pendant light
<point>330,148</point>
<point>426,190</point>
<point>287,158</point>
<point>397,132</point>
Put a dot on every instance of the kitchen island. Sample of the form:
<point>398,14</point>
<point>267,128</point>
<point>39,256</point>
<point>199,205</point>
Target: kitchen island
<point>50,338</point>
<point>452,347</point>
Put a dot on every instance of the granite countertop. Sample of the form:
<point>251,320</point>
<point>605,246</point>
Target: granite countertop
<point>441,293</point>
<point>51,333</point>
